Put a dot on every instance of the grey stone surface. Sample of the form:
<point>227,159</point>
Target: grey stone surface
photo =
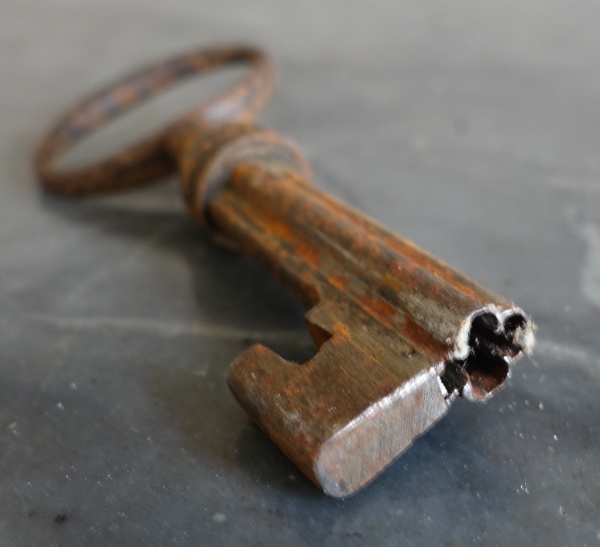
<point>471,127</point>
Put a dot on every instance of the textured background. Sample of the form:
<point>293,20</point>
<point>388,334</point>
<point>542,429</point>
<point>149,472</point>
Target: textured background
<point>471,127</point>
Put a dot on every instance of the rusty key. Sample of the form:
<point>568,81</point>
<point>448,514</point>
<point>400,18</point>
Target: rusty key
<point>400,334</point>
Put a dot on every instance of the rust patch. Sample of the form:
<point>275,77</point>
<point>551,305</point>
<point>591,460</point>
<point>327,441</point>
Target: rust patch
<point>378,307</point>
<point>319,335</point>
<point>424,341</point>
<point>340,282</point>
<point>311,255</point>
<point>342,330</point>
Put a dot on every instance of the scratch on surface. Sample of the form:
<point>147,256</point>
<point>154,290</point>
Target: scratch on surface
<point>161,328</point>
<point>590,278</point>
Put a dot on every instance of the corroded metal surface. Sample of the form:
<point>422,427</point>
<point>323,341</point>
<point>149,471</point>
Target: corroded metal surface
<point>399,334</point>
<point>149,160</point>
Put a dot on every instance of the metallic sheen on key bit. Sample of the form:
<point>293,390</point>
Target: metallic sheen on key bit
<point>399,333</point>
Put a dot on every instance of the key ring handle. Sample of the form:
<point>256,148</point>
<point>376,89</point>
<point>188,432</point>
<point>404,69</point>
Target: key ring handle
<point>150,158</point>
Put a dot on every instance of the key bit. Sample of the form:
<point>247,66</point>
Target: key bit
<point>400,334</point>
